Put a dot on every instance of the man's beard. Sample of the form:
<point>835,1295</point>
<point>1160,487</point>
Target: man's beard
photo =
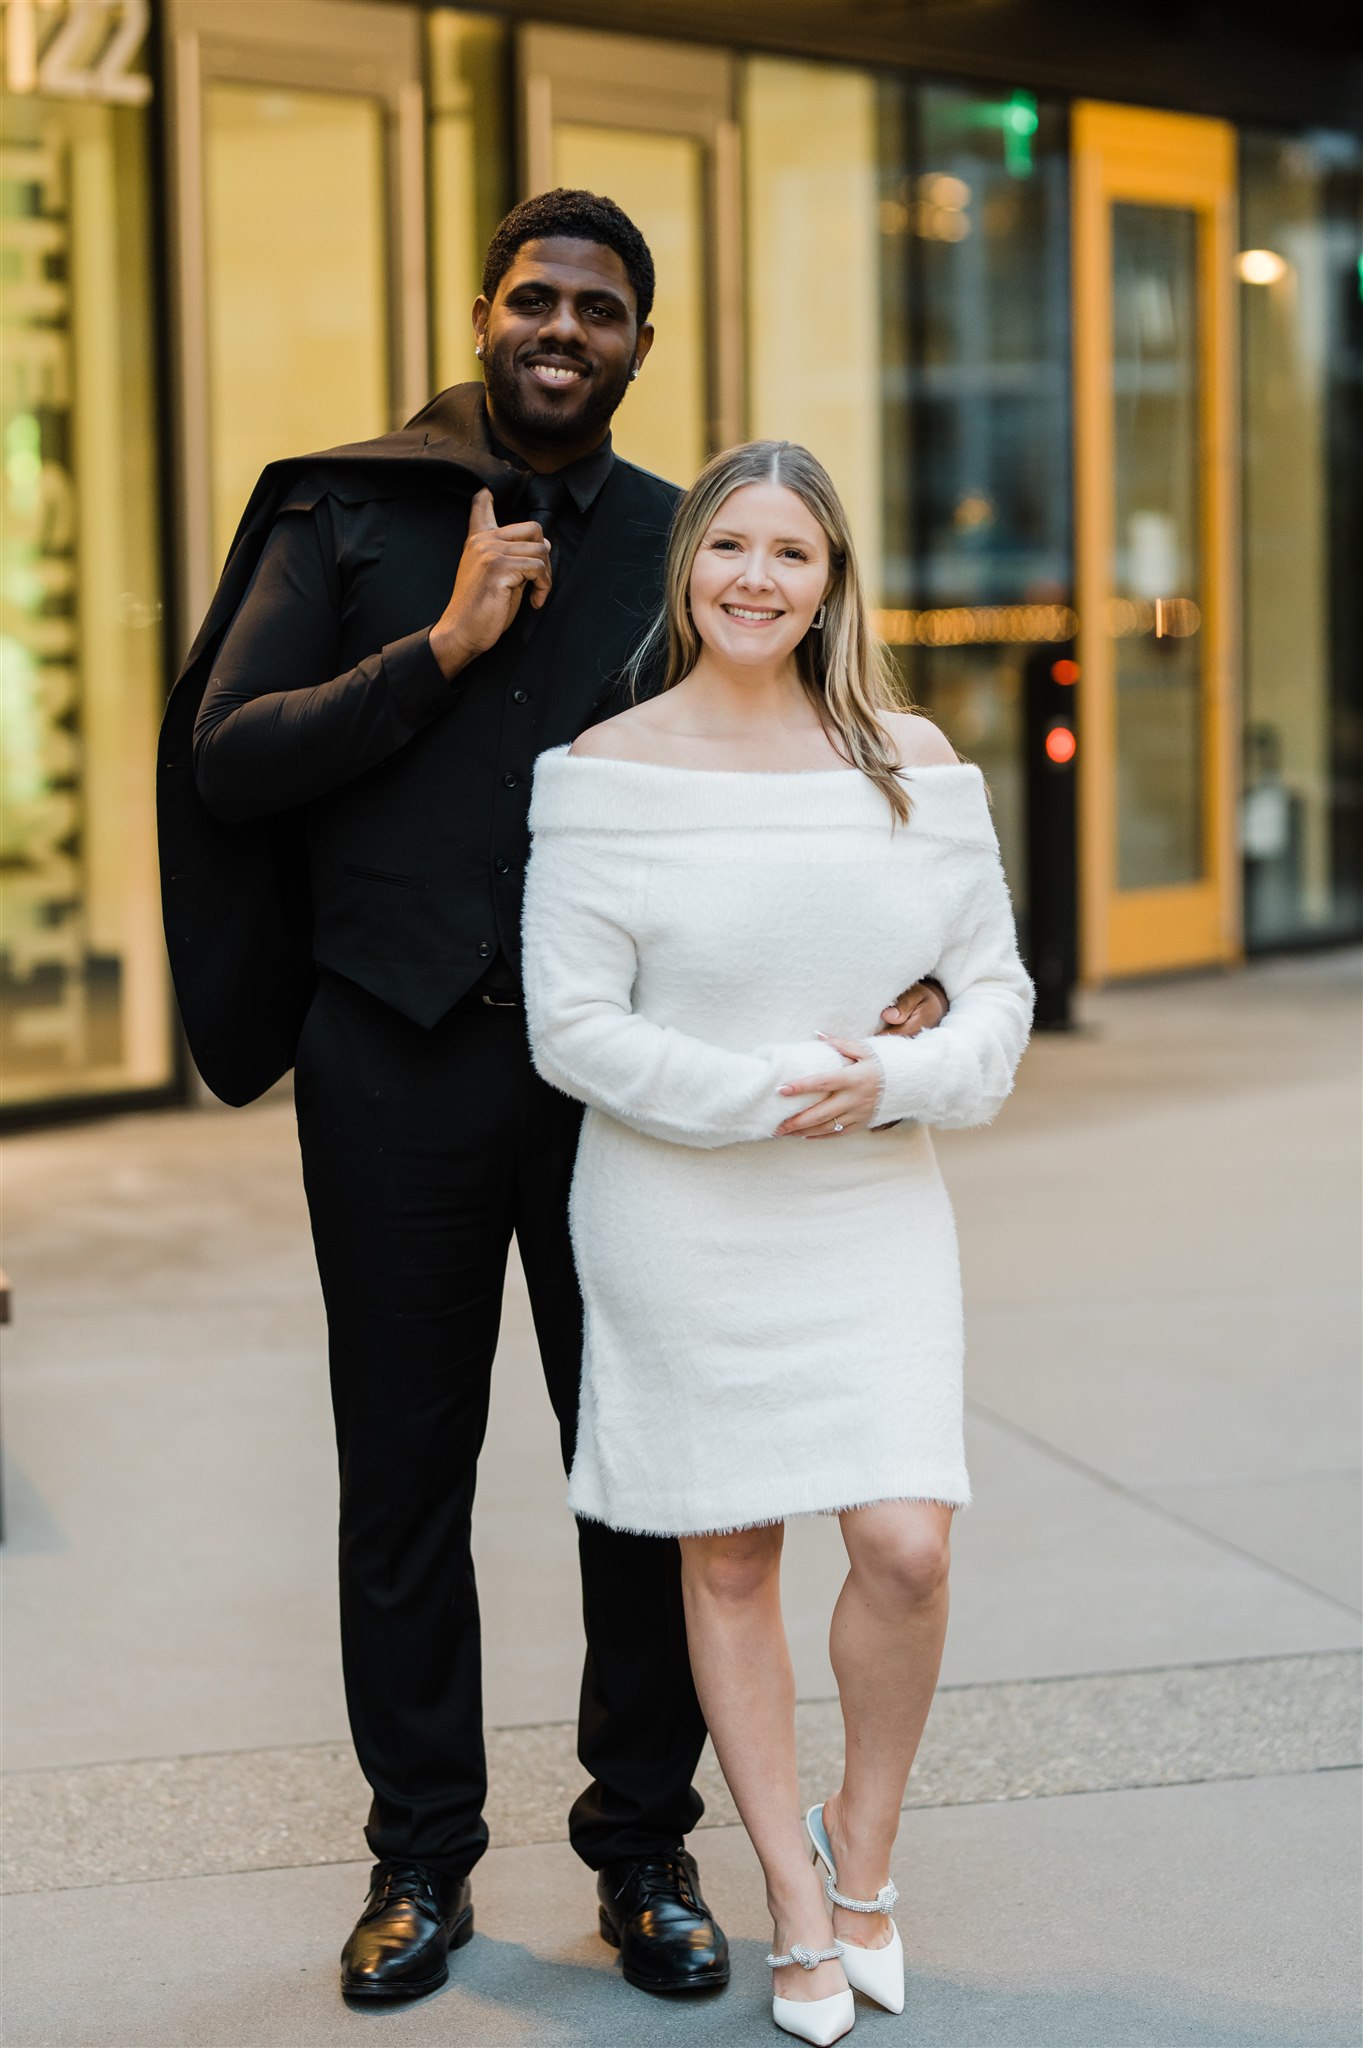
<point>533,422</point>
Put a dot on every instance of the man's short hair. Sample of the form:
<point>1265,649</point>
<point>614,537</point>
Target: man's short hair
<point>577,217</point>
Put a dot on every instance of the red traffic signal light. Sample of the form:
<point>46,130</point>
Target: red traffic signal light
<point>1060,745</point>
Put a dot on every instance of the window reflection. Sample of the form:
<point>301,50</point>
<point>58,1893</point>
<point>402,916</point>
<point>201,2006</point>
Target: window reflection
<point>85,999</point>
<point>985,197</point>
<point>987,204</point>
<point>1155,569</point>
<point>1301,314</point>
<point>977,695</point>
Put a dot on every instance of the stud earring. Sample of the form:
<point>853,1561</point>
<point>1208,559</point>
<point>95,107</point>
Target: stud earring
<point>816,623</point>
<point>634,373</point>
<point>479,351</point>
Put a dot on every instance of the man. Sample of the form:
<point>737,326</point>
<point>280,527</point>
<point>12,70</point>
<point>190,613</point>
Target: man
<point>342,848</point>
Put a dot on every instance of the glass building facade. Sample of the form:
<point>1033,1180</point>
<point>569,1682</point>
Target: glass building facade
<point>1088,375</point>
<point>83,653</point>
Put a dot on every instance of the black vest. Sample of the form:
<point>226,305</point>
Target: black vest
<point>408,879</point>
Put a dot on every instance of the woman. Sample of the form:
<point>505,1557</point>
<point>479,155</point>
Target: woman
<point>724,881</point>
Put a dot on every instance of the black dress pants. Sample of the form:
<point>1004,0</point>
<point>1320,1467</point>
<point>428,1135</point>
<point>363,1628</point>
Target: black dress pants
<point>422,1152</point>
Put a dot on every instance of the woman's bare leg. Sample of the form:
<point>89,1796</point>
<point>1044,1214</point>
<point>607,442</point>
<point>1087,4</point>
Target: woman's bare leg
<point>741,1661</point>
<point>886,1644</point>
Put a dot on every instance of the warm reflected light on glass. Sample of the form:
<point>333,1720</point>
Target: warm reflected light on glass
<point>1060,745</point>
<point>941,210</point>
<point>1260,266</point>
<point>1171,618</point>
<point>1064,671</point>
<point>974,509</point>
<point>939,188</point>
<point>988,625</point>
<point>976,625</point>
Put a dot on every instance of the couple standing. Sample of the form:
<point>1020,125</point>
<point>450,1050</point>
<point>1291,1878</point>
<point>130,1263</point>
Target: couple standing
<point>736,861</point>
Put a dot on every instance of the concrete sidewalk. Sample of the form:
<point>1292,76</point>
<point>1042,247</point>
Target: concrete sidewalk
<point>1135,1815</point>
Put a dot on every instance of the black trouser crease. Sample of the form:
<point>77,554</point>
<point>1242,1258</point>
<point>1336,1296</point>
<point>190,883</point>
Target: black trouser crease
<point>423,1153</point>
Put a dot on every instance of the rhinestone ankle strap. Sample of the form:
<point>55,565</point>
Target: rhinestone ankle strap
<point>885,1900</point>
<point>807,1958</point>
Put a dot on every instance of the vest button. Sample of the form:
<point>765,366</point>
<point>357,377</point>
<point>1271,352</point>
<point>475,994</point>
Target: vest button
<point>510,781</point>
<point>484,949</point>
<point>504,867</point>
<point>520,696</point>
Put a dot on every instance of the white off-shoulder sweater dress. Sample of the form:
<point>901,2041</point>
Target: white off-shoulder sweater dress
<point>773,1326</point>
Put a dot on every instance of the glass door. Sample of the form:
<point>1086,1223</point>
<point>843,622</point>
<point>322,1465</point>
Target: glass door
<point>299,243</point>
<point>1153,197</point>
<point>651,125</point>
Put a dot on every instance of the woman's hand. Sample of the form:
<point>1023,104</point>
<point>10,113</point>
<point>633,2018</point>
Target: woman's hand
<point>848,1101</point>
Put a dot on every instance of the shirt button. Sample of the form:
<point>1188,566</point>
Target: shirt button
<point>483,949</point>
<point>504,867</point>
<point>520,696</point>
<point>510,781</point>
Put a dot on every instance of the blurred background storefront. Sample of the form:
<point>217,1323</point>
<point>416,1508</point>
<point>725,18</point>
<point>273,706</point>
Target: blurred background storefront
<point>1069,300</point>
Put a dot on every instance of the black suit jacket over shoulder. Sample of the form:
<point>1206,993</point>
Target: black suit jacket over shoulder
<point>365,814</point>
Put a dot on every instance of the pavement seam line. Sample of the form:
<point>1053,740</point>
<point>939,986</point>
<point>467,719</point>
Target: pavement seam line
<point>1014,1741</point>
<point>1154,1507</point>
<point>718,1827</point>
<point>814,1699</point>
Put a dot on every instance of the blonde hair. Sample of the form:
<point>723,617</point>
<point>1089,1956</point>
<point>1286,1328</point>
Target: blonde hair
<point>848,674</point>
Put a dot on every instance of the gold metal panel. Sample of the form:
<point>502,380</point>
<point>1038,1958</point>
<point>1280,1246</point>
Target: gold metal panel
<point>1127,154</point>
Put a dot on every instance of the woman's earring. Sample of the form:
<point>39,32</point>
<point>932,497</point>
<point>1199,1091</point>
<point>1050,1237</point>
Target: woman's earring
<point>479,351</point>
<point>816,623</point>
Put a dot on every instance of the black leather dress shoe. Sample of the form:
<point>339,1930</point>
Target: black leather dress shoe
<point>399,1946</point>
<point>652,1911</point>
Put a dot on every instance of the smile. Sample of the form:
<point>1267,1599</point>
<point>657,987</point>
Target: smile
<point>746,616</point>
<point>555,375</point>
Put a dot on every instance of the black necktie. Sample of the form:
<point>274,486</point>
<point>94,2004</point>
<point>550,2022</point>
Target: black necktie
<point>542,499</point>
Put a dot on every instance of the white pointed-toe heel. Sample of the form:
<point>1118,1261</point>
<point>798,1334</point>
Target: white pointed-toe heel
<point>818,2020</point>
<point>877,1973</point>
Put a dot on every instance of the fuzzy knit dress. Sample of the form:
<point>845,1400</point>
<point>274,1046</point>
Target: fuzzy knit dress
<point>773,1326</point>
